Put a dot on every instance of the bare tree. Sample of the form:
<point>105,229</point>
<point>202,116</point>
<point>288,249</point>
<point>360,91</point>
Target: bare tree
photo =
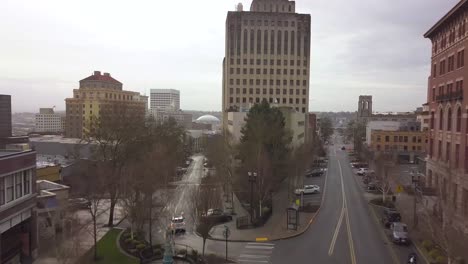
<point>113,136</point>
<point>383,165</point>
<point>92,188</point>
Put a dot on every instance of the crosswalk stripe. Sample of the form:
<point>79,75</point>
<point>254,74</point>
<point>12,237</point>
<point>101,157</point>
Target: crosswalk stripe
<point>256,252</point>
<point>252,261</point>
<point>260,247</point>
<point>253,256</point>
<point>256,243</point>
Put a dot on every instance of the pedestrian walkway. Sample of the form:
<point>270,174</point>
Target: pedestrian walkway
<point>254,253</point>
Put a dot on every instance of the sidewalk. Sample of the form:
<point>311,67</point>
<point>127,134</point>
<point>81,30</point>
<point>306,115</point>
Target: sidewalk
<point>274,228</point>
<point>67,248</point>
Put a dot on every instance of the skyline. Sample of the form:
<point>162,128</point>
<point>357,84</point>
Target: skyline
<point>41,68</point>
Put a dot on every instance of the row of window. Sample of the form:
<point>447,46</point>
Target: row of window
<point>283,43</point>
<point>265,82</point>
<point>15,186</point>
<point>267,23</point>
<point>450,119</point>
<point>106,96</point>
<point>450,64</point>
<point>448,151</point>
<point>449,37</point>
<point>265,71</point>
<point>264,91</point>
<point>447,90</point>
<point>265,62</point>
<point>404,139</point>
<point>433,181</point>
<point>271,100</point>
<point>396,147</point>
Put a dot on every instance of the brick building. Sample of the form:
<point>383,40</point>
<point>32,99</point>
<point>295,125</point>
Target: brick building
<point>447,164</point>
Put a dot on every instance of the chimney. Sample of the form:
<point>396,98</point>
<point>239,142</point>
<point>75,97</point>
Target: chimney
<point>97,73</point>
<point>107,74</point>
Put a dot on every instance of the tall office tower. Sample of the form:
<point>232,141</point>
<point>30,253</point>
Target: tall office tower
<point>99,94</point>
<point>267,57</point>
<point>5,116</point>
<point>166,99</point>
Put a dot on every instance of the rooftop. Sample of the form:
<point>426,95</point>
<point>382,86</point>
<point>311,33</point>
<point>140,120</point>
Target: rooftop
<point>445,18</point>
<point>97,76</point>
<point>6,153</point>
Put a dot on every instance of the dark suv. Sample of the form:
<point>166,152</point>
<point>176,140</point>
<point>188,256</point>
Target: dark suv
<point>390,215</point>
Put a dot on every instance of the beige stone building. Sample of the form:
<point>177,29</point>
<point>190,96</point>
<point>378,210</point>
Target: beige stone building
<point>267,57</point>
<point>98,94</point>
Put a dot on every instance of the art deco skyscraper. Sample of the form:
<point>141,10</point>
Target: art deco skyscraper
<point>267,57</point>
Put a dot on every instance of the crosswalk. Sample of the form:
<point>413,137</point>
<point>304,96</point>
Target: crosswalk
<point>256,253</point>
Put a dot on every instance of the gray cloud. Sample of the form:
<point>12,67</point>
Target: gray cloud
<point>358,47</point>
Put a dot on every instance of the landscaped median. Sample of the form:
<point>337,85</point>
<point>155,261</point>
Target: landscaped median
<point>108,251</point>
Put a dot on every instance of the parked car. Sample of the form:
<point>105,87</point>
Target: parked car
<point>343,148</point>
<point>79,203</point>
<point>315,173</point>
<point>362,171</point>
<point>390,215</point>
<point>217,216</point>
<point>308,189</point>
<point>399,233</point>
<point>178,225</point>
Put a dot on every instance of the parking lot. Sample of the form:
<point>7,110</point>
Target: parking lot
<point>316,198</point>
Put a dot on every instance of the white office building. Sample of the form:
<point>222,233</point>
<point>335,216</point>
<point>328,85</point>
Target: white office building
<point>48,121</point>
<point>168,99</point>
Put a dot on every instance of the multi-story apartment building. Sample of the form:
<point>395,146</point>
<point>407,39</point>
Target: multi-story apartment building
<point>18,234</point>
<point>98,95</point>
<point>48,121</point>
<point>168,99</point>
<point>5,116</point>
<point>267,57</point>
<point>447,165</point>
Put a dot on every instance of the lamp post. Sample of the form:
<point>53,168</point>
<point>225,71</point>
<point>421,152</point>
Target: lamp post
<point>415,181</point>
<point>252,181</point>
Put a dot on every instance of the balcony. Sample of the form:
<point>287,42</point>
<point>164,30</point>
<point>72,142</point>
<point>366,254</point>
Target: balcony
<point>451,96</point>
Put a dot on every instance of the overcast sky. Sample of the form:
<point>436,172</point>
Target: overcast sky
<point>358,47</point>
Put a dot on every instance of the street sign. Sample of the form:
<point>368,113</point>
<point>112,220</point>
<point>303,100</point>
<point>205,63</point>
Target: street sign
<point>226,232</point>
<point>399,189</point>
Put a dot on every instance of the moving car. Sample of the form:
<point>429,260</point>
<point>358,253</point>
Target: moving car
<point>79,203</point>
<point>218,216</point>
<point>399,233</point>
<point>308,189</point>
<point>390,215</point>
<point>178,225</point>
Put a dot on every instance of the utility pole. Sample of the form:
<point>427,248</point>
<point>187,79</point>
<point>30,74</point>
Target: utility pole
<point>252,180</point>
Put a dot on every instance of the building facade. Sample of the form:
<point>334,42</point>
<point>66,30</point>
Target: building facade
<point>18,233</point>
<point>99,95</point>
<point>365,113</point>
<point>447,165</point>
<point>48,121</point>
<point>168,99</point>
<point>5,116</point>
<point>163,115</point>
<point>405,144</point>
<point>267,57</point>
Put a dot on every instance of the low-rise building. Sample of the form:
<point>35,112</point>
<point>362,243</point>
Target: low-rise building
<point>294,123</point>
<point>48,121</point>
<point>18,229</point>
<point>48,171</point>
<point>162,115</point>
<point>52,203</point>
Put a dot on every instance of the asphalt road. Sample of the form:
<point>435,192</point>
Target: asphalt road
<point>344,231</point>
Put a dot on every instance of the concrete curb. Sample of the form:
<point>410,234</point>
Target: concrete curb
<point>287,236</point>
<point>118,244</point>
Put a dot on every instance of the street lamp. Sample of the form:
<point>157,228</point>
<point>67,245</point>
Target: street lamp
<point>252,181</point>
<point>415,182</point>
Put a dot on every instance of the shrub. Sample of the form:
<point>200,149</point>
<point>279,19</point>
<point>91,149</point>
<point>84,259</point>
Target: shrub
<point>140,246</point>
<point>182,252</point>
<point>441,260</point>
<point>157,252</point>
<point>434,253</point>
<point>126,235</point>
<point>194,254</point>
<point>135,242</point>
<point>427,244</point>
<point>133,250</point>
<point>128,240</point>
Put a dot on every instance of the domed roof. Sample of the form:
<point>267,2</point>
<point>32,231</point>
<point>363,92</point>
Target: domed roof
<point>208,119</point>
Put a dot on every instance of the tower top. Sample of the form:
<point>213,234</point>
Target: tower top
<point>276,6</point>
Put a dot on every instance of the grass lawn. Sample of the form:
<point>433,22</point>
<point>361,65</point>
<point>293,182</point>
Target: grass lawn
<point>108,252</point>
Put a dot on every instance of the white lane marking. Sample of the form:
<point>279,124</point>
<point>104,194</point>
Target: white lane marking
<point>253,256</point>
<point>256,243</point>
<point>337,231</point>
<point>260,247</point>
<point>348,225</point>
<point>252,261</point>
